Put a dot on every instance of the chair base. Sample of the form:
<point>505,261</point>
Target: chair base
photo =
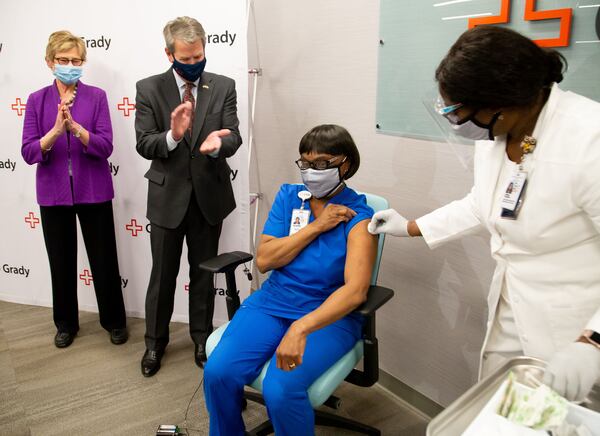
<point>330,420</point>
<point>254,396</point>
<point>266,428</point>
<point>322,418</point>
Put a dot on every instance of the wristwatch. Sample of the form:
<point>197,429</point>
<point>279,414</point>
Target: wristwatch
<point>78,132</point>
<point>592,337</point>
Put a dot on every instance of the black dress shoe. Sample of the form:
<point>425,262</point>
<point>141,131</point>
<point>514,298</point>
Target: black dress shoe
<point>200,355</point>
<point>63,339</point>
<point>119,336</point>
<point>151,362</point>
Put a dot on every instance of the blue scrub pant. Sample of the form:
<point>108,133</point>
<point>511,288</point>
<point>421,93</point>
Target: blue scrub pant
<point>251,339</point>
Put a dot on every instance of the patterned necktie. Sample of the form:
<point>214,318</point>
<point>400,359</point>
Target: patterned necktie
<point>188,96</point>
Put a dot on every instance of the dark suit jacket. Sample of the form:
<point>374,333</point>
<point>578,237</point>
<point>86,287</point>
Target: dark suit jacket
<point>172,174</point>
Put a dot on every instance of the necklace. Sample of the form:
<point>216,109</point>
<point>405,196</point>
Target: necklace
<point>72,99</point>
<point>527,146</point>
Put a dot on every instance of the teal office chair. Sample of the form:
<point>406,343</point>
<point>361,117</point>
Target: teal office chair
<point>320,392</point>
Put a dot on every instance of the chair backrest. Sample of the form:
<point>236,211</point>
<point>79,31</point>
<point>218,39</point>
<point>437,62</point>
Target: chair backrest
<point>377,203</point>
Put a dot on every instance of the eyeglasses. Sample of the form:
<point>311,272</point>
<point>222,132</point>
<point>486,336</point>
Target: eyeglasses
<point>319,164</point>
<point>446,111</point>
<point>76,62</point>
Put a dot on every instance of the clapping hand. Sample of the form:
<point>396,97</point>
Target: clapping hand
<point>212,143</point>
<point>69,123</point>
<point>181,118</point>
<point>61,123</point>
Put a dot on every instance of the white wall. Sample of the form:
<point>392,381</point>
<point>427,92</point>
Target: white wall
<point>319,62</point>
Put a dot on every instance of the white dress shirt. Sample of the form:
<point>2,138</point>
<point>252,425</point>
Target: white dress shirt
<point>171,143</point>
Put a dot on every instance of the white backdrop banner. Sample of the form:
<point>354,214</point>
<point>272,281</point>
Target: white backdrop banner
<point>124,44</point>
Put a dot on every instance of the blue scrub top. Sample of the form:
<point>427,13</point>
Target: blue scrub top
<point>304,284</point>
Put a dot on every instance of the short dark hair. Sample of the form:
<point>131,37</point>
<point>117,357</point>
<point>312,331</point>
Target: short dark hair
<point>492,67</point>
<point>332,139</point>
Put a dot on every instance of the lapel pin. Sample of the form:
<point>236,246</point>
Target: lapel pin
<point>205,86</point>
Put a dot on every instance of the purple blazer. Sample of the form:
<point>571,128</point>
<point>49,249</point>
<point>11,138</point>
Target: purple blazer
<point>92,180</point>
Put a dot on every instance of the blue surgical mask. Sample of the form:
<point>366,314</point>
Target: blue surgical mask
<point>67,74</point>
<point>190,72</point>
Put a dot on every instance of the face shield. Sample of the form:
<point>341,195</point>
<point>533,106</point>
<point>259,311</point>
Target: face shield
<point>449,126</point>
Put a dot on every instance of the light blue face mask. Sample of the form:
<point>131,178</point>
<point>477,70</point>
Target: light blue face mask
<point>67,74</point>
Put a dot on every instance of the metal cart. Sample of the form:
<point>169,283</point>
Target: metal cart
<point>455,419</point>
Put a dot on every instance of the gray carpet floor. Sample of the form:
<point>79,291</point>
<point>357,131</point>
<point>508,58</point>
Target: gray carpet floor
<point>95,388</point>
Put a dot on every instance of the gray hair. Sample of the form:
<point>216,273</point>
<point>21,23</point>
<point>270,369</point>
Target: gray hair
<point>183,28</point>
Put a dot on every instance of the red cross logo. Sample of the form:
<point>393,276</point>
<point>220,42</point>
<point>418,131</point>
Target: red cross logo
<point>125,106</point>
<point>133,227</point>
<point>187,287</point>
<point>86,277</point>
<point>18,106</point>
<point>32,220</point>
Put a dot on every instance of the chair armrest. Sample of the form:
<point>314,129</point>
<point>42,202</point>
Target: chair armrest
<point>377,297</point>
<point>225,262</point>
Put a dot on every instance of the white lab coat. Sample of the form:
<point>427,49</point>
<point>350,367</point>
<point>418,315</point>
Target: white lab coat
<point>550,256</point>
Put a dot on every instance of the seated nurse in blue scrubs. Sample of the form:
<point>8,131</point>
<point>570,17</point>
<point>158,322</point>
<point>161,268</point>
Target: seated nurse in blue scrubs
<point>301,319</point>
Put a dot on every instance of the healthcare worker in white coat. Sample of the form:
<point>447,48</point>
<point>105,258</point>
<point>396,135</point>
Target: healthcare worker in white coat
<point>536,190</point>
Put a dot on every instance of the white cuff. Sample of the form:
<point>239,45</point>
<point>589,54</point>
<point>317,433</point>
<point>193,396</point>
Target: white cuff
<point>171,143</point>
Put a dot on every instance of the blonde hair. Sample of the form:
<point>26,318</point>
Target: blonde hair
<point>183,28</point>
<point>64,40</point>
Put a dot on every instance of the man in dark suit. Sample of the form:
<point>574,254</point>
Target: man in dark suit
<point>186,124</point>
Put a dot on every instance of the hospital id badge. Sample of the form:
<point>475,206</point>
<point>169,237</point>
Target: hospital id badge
<point>299,220</point>
<point>512,199</point>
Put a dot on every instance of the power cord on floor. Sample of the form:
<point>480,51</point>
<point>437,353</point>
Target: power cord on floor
<point>187,409</point>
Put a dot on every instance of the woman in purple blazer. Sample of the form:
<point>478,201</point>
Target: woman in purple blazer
<point>67,133</point>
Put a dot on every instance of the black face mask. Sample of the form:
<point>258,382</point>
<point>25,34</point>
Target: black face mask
<point>190,72</point>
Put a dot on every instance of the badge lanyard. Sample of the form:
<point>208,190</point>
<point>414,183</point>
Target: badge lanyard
<point>300,216</point>
<point>514,194</point>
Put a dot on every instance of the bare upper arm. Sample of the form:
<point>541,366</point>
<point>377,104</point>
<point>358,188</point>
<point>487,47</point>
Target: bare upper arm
<point>360,255</point>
